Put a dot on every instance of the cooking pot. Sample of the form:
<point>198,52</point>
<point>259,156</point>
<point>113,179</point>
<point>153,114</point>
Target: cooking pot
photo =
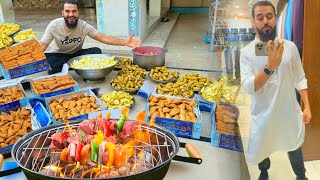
<point>148,57</point>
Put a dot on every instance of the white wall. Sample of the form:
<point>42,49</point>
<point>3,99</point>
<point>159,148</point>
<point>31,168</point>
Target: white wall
<point>143,19</point>
<point>116,17</point>
<point>6,12</point>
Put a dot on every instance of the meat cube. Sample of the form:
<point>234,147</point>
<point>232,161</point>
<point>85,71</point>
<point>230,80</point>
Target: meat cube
<point>88,127</point>
<point>128,128</point>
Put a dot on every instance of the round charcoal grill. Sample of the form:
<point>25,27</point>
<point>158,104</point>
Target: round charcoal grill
<point>33,155</point>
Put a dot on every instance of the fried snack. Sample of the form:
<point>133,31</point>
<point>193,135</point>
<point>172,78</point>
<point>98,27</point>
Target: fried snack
<point>163,74</point>
<point>24,35</point>
<point>127,82</point>
<point>24,53</point>
<point>63,109</point>
<point>123,62</point>
<point>194,80</point>
<point>11,94</point>
<point>9,28</point>
<point>52,84</point>
<point>116,99</point>
<point>133,70</point>
<point>14,125</point>
<point>164,107</point>
<point>173,89</point>
<point>226,118</point>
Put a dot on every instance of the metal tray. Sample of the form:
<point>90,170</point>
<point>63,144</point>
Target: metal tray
<point>160,81</point>
<point>128,91</point>
<point>15,34</point>
<point>204,97</point>
<point>176,96</point>
<point>130,106</point>
<point>15,31</point>
<point>119,68</point>
<point>12,42</point>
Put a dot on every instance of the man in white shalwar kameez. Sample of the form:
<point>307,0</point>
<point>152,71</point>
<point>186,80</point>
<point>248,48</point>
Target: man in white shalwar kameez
<point>277,123</point>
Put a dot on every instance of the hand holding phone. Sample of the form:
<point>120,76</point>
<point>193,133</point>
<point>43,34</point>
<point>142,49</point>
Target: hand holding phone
<point>275,52</point>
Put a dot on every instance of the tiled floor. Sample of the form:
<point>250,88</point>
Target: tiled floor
<point>186,49</point>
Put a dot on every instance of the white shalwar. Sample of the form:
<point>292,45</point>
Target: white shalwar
<point>276,117</point>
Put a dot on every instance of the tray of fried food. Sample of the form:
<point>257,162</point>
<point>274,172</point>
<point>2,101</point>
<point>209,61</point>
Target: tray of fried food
<point>178,109</point>
<point>66,108</point>
<point>127,83</point>
<point>117,99</point>
<point>123,62</point>
<point>19,55</point>
<point>226,117</point>
<point>14,125</point>
<point>133,70</point>
<point>194,80</point>
<point>11,94</point>
<point>9,28</point>
<point>217,91</point>
<point>173,89</point>
<point>5,41</point>
<point>163,75</point>
<point>52,84</point>
<point>24,35</point>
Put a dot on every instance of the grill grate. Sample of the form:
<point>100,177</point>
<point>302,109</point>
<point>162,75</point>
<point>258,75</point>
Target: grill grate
<point>33,154</point>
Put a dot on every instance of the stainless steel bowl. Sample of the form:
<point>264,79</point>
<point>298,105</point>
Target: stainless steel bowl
<point>149,61</point>
<point>93,74</point>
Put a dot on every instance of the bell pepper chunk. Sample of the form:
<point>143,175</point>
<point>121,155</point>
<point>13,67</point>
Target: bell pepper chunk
<point>94,151</point>
<point>78,152</point>
<point>98,138</point>
<point>111,148</point>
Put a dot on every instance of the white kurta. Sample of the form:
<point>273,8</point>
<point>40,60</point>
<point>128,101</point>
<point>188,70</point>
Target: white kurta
<point>276,123</point>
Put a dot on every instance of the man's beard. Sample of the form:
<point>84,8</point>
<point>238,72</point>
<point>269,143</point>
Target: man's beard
<point>71,25</point>
<point>269,36</point>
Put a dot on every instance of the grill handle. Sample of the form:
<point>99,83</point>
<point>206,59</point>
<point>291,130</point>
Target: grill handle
<point>7,172</point>
<point>1,161</point>
<point>194,155</point>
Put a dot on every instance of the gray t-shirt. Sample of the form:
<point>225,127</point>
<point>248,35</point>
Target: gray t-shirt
<point>64,41</point>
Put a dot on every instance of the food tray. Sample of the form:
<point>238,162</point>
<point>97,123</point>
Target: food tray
<point>14,105</point>
<point>180,128</point>
<point>128,91</point>
<point>69,95</point>
<point>22,40</point>
<point>221,139</point>
<point>160,81</point>
<point>74,88</point>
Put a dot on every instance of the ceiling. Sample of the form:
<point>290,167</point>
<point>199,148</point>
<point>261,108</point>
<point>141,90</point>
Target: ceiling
<point>240,8</point>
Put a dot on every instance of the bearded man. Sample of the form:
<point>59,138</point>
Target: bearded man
<point>69,33</point>
<point>277,121</point>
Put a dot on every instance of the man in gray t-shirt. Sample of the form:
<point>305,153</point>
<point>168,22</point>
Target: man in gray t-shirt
<point>68,34</point>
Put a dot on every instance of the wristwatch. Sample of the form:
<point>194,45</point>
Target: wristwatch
<point>268,71</point>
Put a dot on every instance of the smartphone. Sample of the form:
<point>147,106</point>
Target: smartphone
<point>261,49</point>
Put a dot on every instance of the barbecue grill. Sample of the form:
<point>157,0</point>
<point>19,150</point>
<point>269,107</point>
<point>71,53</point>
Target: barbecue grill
<point>33,155</point>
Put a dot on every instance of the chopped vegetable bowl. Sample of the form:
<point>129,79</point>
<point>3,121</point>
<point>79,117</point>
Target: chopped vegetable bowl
<point>217,91</point>
<point>116,100</point>
<point>93,67</point>
<point>90,62</point>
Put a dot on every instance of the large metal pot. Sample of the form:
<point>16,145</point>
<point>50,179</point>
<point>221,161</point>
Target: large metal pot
<point>148,57</point>
<point>93,75</point>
